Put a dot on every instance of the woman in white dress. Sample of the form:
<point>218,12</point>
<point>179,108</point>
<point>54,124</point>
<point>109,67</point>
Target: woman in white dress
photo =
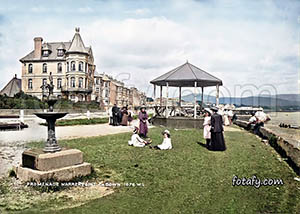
<point>225,117</point>
<point>207,127</point>
<point>136,141</point>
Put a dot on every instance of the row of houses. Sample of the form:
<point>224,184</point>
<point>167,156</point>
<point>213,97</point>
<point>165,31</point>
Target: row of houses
<point>108,91</point>
<point>71,65</point>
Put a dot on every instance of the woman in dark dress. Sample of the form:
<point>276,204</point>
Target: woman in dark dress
<point>217,137</point>
<point>124,117</point>
<point>143,117</point>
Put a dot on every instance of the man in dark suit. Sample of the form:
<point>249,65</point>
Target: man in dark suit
<point>217,137</point>
<point>115,111</point>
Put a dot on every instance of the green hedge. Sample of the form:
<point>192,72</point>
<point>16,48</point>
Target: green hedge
<point>24,101</point>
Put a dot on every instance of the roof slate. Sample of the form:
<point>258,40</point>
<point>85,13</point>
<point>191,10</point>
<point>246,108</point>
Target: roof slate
<point>186,75</point>
<point>76,46</point>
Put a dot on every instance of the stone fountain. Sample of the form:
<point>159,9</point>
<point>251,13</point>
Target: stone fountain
<point>52,162</point>
<point>51,117</point>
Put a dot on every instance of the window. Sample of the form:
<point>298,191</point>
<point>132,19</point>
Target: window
<point>44,82</point>
<point>73,82</point>
<point>68,82</point>
<point>80,66</point>
<point>106,93</point>
<point>30,84</point>
<point>59,68</point>
<point>68,69</point>
<point>80,82</point>
<point>73,67</point>
<point>30,68</point>
<point>44,68</point>
<point>59,83</point>
<point>45,53</point>
<point>60,52</point>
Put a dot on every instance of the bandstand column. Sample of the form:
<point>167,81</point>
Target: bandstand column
<point>195,101</point>
<point>217,95</point>
<point>167,98</point>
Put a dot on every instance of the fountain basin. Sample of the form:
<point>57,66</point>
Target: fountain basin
<point>51,115</point>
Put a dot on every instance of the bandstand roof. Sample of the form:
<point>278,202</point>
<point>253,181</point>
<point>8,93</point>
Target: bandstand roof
<point>185,76</point>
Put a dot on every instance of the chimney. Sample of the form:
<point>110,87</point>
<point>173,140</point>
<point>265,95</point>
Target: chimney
<point>38,47</point>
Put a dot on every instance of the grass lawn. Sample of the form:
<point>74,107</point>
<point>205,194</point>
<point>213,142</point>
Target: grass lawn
<point>75,122</point>
<point>187,179</point>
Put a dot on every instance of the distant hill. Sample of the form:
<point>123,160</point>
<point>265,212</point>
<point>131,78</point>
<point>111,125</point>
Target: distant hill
<point>281,100</point>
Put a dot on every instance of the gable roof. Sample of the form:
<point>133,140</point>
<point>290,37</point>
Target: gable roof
<point>13,87</point>
<point>185,76</point>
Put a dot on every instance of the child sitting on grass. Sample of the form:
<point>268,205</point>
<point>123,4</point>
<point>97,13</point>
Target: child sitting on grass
<point>166,144</point>
<point>136,141</point>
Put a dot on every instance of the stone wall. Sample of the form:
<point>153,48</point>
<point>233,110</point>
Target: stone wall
<point>287,147</point>
<point>178,122</point>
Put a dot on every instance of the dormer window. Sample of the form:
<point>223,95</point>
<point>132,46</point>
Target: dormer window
<point>60,52</point>
<point>45,53</point>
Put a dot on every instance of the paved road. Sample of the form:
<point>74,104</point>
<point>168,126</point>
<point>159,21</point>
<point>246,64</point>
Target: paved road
<point>13,143</point>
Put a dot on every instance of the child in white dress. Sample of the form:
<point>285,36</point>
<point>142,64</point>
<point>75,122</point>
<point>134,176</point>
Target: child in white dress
<point>136,141</point>
<point>207,127</point>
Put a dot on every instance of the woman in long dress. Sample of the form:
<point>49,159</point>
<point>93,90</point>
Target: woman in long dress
<point>124,117</point>
<point>217,137</point>
<point>226,119</point>
<point>143,117</point>
<point>206,128</point>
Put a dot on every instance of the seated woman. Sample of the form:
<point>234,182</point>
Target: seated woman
<point>136,141</point>
<point>166,144</point>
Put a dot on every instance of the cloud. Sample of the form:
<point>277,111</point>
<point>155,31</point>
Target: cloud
<point>236,44</point>
<point>139,12</point>
<point>85,10</point>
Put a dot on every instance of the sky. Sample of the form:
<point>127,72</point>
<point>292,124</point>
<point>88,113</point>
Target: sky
<point>253,46</point>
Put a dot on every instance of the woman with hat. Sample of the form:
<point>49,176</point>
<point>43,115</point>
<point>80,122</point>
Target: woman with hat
<point>206,126</point>
<point>217,138</point>
<point>143,117</point>
<point>166,144</point>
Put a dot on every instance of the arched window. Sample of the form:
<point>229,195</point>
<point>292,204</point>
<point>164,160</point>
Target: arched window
<point>59,83</point>
<point>29,83</point>
<point>44,68</point>
<point>44,81</point>
<point>59,68</point>
<point>80,66</point>
<point>73,82</point>
<point>30,68</point>
<point>80,82</point>
<point>73,66</point>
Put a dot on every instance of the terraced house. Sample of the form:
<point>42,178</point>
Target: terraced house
<point>71,64</point>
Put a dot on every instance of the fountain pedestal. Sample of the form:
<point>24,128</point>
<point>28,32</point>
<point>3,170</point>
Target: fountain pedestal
<point>51,117</point>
